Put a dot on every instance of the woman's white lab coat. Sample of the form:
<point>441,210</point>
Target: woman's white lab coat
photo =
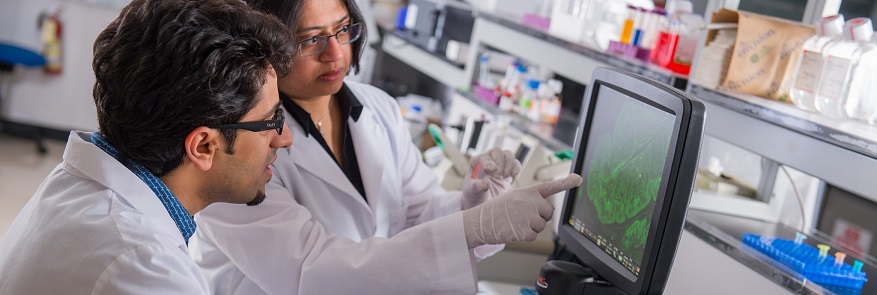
<point>93,227</point>
<point>315,234</point>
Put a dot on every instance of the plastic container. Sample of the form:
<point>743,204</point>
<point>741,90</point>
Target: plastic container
<point>651,26</point>
<point>551,102</point>
<point>609,21</point>
<point>529,97</point>
<point>810,64</point>
<point>484,78</point>
<point>861,98</point>
<point>846,71</point>
<point>676,43</point>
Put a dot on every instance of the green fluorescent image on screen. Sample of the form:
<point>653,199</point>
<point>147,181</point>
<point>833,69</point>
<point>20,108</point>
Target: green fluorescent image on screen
<point>623,167</point>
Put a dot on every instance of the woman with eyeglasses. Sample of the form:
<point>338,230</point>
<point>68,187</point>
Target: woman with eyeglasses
<point>352,208</point>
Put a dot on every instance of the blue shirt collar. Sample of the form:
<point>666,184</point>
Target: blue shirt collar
<point>185,222</point>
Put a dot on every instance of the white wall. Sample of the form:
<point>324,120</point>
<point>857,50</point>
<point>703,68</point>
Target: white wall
<point>55,101</point>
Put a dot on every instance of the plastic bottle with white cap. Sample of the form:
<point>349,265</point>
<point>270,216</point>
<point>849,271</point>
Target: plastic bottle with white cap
<point>843,62</point>
<point>803,91</point>
<point>551,103</point>
<point>861,99</point>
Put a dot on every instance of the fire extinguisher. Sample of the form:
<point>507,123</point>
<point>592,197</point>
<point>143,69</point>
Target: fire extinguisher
<point>51,32</point>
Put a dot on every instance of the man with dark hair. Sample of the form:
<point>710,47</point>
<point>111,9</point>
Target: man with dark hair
<point>189,115</point>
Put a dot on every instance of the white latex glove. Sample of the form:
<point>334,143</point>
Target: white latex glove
<point>517,215</point>
<point>489,175</point>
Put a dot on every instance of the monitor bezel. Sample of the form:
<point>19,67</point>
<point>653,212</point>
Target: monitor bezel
<point>666,225</point>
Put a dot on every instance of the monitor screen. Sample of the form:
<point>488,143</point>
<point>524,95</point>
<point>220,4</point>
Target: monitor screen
<point>636,149</point>
<point>623,168</point>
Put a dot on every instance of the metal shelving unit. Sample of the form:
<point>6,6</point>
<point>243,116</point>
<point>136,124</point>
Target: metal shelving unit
<point>427,63</point>
<point>555,137</point>
<point>571,60</point>
<point>843,153</point>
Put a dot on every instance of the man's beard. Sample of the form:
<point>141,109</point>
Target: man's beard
<point>260,196</point>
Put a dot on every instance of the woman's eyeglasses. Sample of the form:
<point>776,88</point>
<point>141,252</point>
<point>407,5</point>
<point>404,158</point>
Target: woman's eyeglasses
<point>316,44</point>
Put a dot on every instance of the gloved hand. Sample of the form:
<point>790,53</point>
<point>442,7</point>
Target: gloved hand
<point>493,172</point>
<point>517,215</point>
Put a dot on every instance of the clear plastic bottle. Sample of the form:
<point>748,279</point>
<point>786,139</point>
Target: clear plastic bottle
<point>810,64</point>
<point>840,65</point>
<point>551,103</point>
<point>529,97</point>
<point>506,101</point>
<point>484,78</point>
<point>535,111</point>
<point>545,8</point>
<point>511,76</point>
<point>861,99</point>
<point>611,15</point>
<point>677,41</point>
<point>651,26</point>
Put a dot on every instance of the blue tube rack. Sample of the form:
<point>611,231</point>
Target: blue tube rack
<point>806,261</point>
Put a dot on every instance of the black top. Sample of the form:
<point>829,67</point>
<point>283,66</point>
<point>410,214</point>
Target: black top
<point>350,108</point>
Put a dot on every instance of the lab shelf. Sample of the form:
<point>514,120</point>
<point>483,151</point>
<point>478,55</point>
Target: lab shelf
<point>725,233</point>
<point>840,152</point>
<point>428,63</point>
<point>571,60</point>
<point>554,137</point>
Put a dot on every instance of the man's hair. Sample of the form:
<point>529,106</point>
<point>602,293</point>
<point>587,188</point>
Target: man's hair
<point>290,12</point>
<point>166,67</point>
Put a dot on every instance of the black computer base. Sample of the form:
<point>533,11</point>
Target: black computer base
<point>562,277</point>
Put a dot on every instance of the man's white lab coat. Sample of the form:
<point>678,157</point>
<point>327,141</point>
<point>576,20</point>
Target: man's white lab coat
<point>93,227</point>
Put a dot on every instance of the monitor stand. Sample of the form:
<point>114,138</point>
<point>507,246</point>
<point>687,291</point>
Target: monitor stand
<point>563,277</point>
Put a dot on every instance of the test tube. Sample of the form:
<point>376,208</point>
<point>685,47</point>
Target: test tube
<point>823,250</point>
<point>638,24</point>
<point>627,28</point>
<point>799,238</point>
<point>857,266</point>
<point>839,258</point>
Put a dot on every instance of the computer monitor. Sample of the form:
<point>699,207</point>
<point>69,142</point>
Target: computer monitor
<point>637,149</point>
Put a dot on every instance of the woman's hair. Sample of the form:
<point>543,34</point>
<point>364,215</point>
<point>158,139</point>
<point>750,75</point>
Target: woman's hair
<point>290,12</point>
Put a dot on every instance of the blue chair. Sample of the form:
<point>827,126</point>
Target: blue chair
<point>10,56</point>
